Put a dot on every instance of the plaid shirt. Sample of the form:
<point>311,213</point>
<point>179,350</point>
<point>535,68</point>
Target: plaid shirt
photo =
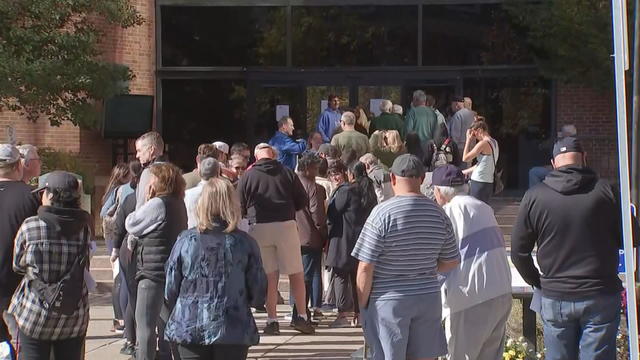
<point>39,250</point>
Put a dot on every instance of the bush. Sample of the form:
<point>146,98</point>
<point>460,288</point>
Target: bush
<point>520,350</point>
<point>63,160</point>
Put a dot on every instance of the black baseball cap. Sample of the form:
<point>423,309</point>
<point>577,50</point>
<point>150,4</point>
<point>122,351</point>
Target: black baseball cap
<point>408,166</point>
<point>457,98</point>
<point>448,175</point>
<point>567,145</point>
<point>59,180</point>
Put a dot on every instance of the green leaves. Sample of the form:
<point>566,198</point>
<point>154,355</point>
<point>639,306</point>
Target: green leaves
<point>570,39</point>
<point>49,57</point>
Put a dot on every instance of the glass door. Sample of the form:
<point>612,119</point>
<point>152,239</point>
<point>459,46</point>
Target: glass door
<point>317,97</point>
<point>272,103</point>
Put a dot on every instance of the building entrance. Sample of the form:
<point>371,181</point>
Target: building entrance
<point>228,69</point>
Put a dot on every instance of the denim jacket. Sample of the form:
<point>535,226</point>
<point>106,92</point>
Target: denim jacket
<point>212,280</point>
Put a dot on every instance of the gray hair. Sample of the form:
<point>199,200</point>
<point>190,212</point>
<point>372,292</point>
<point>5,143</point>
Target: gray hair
<point>369,159</point>
<point>263,146</point>
<point>28,152</point>
<point>449,192</point>
<point>419,96</point>
<point>152,138</point>
<point>397,109</point>
<point>386,106</point>
<point>349,118</point>
<point>283,121</point>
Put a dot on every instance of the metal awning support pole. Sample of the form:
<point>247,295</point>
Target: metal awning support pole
<point>621,63</point>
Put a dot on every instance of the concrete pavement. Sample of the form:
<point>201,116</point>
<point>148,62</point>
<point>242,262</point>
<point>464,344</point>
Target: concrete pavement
<point>327,344</point>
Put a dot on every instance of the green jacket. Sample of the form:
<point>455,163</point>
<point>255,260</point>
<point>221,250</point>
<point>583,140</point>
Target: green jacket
<point>423,121</point>
<point>387,121</point>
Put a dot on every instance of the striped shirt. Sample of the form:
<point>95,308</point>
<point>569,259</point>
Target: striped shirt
<point>405,237</point>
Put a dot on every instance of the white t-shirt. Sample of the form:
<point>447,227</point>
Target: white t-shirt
<point>484,272</point>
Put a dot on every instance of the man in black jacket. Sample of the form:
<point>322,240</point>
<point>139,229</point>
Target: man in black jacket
<point>16,204</point>
<point>574,219</point>
<point>270,195</point>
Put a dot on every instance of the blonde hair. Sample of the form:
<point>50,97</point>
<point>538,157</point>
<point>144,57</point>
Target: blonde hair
<point>218,200</point>
<point>393,141</point>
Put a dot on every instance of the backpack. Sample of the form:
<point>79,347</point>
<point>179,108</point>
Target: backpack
<point>109,224</point>
<point>442,155</point>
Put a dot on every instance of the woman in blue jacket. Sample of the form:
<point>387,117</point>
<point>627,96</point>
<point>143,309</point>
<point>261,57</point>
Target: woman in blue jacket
<point>214,276</point>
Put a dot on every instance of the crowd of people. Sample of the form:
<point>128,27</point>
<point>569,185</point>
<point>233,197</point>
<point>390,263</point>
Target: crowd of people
<point>385,222</point>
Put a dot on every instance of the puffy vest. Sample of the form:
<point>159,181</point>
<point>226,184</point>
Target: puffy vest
<point>154,248</point>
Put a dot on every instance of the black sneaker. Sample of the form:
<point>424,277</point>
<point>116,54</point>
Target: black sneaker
<point>261,309</point>
<point>272,328</point>
<point>303,326</point>
<point>313,323</point>
<point>128,349</point>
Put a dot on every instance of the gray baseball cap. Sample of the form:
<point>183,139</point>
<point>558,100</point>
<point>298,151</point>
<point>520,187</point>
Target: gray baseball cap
<point>408,166</point>
<point>62,181</point>
<point>9,154</point>
<point>209,168</point>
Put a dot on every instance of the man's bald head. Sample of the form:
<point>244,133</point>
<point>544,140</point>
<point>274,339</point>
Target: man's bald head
<point>264,151</point>
<point>569,158</point>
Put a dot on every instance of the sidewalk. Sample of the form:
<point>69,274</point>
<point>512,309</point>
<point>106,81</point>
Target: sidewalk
<point>327,344</point>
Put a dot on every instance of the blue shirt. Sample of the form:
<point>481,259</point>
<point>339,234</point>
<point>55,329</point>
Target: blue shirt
<point>288,149</point>
<point>212,280</point>
<point>405,237</point>
<point>328,121</point>
<point>125,190</point>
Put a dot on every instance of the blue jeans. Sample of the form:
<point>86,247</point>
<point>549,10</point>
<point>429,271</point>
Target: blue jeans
<point>311,263</point>
<point>537,174</point>
<point>584,329</point>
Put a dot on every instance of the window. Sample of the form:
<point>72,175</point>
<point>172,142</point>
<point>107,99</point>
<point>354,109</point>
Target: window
<point>470,35</point>
<point>355,35</point>
<point>201,111</point>
<point>223,36</point>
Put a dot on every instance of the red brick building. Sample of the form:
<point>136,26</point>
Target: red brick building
<point>216,80</point>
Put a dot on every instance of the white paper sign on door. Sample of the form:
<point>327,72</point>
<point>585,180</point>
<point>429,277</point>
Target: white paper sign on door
<point>282,111</point>
<point>374,106</point>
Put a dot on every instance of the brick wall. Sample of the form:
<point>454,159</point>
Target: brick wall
<point>134,47</point>
<point>593,114</point>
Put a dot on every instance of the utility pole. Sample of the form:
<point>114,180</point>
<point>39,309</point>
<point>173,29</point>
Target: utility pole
<point>635,112</point>
<point>621,63</point>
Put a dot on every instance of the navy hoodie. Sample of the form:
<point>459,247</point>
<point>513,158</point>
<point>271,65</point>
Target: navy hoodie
<point>270,192</point>
<point>574,219</point>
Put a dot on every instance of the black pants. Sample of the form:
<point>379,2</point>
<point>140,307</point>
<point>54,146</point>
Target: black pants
<point>345,288</point>
<point>213,352</point>
<point>37,349</point>
<point>128,268</point>
<point>481,190</point>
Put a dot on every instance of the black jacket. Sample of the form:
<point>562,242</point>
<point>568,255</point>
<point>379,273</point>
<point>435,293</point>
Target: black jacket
<point>270,192</point>
<point>574,219</point>
<point>346,216</point>
<point>154,248</point>
<point>16,204</point>
<point>127,206</point>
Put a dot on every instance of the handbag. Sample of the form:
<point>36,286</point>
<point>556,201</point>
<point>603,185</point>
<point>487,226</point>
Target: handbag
<point>64,295</point>
<point>498,184</point>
